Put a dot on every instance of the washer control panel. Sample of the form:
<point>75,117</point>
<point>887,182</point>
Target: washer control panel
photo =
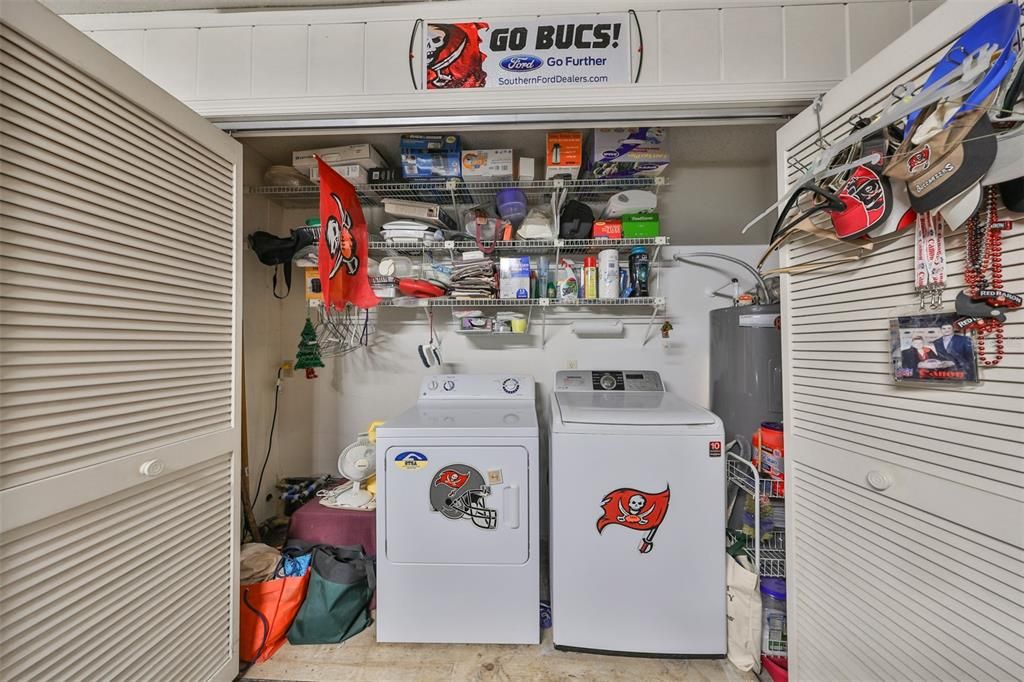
<point>577,381</point>
<point>477,387</point>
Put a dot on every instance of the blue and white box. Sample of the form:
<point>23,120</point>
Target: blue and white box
<point>514,277</point>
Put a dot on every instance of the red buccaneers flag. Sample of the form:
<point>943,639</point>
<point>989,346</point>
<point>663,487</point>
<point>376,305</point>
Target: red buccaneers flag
<point>635,509</point>
<point>451,478</point>
<point>343,243</point>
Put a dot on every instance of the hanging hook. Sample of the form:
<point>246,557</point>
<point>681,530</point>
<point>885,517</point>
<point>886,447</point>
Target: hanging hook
<point>819,102</point>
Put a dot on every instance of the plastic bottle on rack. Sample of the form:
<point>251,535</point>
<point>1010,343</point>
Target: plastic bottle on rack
<point>542,277</point>
<point>589,277</point>
<point>608,274</point>
<point>639,271</point>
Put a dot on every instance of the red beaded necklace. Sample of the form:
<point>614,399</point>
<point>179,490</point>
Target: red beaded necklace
<point>983,269</point>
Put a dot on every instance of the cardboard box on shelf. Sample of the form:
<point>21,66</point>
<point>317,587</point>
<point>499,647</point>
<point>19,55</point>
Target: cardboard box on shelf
<point>354,173</point>
<point>514,277</point>
<point>607,228</point>
<point>564,155</point>
<point>431,156</point>
<point>488,165</point>
<point>640,225</point>
<point>362,154</point>
<point>628,152</point>
<point>527,169</point>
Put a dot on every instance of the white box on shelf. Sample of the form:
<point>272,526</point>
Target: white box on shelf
<point>362,154</point>
<point>514,277</point>
<point>527,169</point>
<point>354,173</point>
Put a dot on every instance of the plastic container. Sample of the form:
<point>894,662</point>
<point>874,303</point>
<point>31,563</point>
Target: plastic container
<point>568,284</point>
<point>608,274</point>
<point>543,268</point>
<point>639,271</point>
<point>589,277</point>
<point>771,454</point>
<point>773,616</point>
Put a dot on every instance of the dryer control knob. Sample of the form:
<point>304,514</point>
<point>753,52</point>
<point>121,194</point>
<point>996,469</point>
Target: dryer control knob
<point>432,385</point>
<point>607,382</point>
<point>449,385</point>
<point>510,385</point>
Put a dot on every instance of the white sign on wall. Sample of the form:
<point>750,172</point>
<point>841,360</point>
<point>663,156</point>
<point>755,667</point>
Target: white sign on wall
<point>561,52</point>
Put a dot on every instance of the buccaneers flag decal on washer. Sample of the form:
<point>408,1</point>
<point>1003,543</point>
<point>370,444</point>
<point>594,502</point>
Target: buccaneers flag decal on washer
<point>635,509</point>
<point>343,244</point>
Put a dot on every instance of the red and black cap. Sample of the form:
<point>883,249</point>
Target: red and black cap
<point>867,202</point>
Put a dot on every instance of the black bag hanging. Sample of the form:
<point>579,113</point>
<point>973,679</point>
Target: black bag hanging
<point>273,250</point>
<point>341,584</point>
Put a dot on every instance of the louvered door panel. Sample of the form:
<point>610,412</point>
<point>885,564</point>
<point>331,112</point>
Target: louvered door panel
<point>119,354</point>
<point>96,603</point>
<point>923,579</point>
<point>130,196</point>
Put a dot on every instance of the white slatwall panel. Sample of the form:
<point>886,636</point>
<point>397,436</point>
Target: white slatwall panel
<point>74,607</point>
<point>116,261</point>
<point>924,580</point>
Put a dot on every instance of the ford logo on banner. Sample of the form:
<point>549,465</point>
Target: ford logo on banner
<point>521,62</point>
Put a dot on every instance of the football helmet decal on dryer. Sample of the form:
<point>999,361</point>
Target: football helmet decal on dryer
<point>459,491</point>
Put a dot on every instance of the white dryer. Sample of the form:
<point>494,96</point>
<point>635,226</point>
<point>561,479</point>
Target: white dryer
<point>637,484</point>
<point>458,514</point>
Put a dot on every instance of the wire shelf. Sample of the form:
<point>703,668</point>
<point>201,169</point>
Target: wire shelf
<point>446,302</point>
<point>566,247</point>
<point>741,473</point>
<point>455,191</point>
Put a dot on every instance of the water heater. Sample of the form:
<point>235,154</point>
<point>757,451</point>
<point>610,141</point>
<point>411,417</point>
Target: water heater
<point>746,367</point>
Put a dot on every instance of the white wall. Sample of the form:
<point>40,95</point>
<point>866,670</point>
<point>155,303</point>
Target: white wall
<point>381,381</point>
<point>730,54</point>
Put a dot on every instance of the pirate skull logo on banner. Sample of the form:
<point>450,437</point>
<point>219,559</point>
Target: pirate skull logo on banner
<point>635,509</point>
<point>453,55</point>
<point>343,247</point>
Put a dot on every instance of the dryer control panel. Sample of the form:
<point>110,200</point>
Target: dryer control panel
<point>478,387</point>
<point>584,381</point>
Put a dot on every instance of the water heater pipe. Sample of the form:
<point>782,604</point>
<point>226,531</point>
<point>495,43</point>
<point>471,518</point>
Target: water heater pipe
<point>685,258</point>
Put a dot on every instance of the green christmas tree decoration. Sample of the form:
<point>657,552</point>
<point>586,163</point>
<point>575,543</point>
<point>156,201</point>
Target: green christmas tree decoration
<point>308,356</point>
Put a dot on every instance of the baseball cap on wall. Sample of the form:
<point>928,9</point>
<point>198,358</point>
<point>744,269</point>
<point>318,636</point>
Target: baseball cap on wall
<point>867,202</point>
<point>954,173</point>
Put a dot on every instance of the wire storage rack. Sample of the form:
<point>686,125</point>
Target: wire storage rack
<point>560,247</point>
<point>455,191</point>
<point>768,551</point>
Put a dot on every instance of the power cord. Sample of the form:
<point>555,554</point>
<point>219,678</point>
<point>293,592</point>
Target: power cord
<point>270,441</point>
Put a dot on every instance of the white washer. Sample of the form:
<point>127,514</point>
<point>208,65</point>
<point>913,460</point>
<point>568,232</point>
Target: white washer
<point>458,514</point>
<point>637,518</point>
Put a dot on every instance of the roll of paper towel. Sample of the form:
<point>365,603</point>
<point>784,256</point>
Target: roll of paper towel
<point>598,328</point>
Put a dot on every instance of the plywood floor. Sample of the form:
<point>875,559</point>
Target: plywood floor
<point>362,659</point>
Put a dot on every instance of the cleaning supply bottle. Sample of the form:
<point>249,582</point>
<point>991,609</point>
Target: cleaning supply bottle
<point>589,277</point>
<point>568,284</point>
<point>639,271</point>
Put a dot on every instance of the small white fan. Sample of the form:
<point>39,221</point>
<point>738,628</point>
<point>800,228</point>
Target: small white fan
<point>357,463</point>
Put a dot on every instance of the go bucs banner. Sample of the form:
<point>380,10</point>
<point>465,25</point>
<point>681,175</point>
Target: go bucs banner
<point>508,53</point>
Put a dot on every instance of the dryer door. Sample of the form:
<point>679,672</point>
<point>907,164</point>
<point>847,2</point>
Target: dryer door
<point>457,504</point>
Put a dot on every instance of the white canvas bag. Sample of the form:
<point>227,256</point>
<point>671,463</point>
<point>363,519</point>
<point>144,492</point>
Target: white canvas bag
<point>743,611</point>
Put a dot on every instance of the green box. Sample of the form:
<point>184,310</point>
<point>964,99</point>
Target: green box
<point>640,225</point>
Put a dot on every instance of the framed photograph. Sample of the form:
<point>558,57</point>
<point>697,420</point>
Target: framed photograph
<point>927,349</point>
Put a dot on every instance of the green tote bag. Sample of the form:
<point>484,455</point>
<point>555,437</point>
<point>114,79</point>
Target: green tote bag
<point>341,584</point>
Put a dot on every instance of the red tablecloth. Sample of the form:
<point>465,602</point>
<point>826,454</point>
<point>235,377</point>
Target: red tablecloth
<point>313,522</point>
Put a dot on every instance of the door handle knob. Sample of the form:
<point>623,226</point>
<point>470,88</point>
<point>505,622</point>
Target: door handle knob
<point>879,480</point>
<point>152,467</point>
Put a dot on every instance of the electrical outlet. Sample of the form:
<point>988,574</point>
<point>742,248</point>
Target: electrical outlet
<point>286,370</point>
<point>573,364</point>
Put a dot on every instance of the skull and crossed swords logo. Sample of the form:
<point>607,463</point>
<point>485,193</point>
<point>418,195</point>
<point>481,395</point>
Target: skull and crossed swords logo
<point>634,514</point>
<point>341,243</point>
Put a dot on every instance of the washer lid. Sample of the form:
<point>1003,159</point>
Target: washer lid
<point>625,408</point>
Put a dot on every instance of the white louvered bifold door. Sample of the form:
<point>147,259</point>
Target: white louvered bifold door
<point>923,580</point>
<point>119,354</point>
